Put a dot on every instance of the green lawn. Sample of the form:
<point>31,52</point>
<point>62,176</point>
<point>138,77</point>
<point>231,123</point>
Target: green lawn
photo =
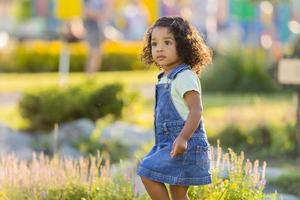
<point>25,82</point>
<point>220,109</point>
<point>244,110</point>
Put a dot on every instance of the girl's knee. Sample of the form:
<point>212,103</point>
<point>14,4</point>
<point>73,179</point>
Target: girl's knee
<point>178,197</point>
<point>179,193</point>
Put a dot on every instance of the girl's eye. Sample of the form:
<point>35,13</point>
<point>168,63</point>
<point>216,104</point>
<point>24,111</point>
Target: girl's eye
<point>167,42</point>
<point>153,44</point>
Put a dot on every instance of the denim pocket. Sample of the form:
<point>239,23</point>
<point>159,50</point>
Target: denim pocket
<point>202,156</point>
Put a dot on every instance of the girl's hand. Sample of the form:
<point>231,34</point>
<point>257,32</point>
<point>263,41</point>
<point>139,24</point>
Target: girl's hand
<point>179,146</point>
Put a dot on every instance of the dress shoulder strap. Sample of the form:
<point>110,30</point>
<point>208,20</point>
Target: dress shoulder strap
<point>180,68</point>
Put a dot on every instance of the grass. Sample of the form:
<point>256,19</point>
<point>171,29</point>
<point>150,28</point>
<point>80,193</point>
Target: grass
<point>25,82</point>
<point>10,115</point>
<point>19,83</point>
<point>247,110</point>
<point>220,109</point>
<point>87,178</point>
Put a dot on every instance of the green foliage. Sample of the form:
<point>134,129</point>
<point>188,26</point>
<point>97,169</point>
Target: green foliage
<point>232,136</point>
<point>22,60</point>
<point>23,10</point>
<point>121,61</point>
<point>239,70</point>
<point>88,178</point>
<point>37,58</point>
<point>44,108</point>
<point>262,141</point>
<point>106,100</point>
<point>25,59</point>
<point>288,183</point>
<point>244,181</point>
<point>114,189</point>
<point>113,149</point>
<point>69,191</point>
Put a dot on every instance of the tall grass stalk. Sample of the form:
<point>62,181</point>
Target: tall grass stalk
<point>234,178</point>
<point>93,178</point>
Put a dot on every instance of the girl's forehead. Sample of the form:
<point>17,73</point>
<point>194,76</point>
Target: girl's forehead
<point>161,32</point>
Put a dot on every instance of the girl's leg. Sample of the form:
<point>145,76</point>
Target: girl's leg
<point>179,192</point>
<point>156,190</point>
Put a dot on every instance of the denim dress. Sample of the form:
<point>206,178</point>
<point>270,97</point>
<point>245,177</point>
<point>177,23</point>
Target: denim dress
<point>189,168</point>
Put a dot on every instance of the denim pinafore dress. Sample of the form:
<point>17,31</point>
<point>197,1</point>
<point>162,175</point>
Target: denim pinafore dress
<point>190,168</point>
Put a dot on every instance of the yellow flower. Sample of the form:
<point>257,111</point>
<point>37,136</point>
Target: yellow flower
<point>233,186</point>
<point>225,182</point>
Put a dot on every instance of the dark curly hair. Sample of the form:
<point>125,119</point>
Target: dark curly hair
<point>190,46</point>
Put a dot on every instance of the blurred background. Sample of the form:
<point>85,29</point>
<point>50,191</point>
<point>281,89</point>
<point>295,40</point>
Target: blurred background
<point>52,106</point>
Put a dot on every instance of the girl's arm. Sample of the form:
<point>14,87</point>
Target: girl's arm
<point>192,99</point>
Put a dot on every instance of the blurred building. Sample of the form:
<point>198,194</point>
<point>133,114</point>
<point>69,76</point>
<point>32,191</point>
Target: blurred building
<point>6,18</point>
<point>223,21</point>
<point>220,21</point>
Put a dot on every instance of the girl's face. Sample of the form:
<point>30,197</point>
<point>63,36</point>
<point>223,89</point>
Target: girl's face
<point>163,46</point>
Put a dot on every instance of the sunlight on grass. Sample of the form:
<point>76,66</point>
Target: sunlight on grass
<point>10,115</point>
<point>220,110</point>
<point>246,111</point>
<point>25,82</point>
<point>139,113</point>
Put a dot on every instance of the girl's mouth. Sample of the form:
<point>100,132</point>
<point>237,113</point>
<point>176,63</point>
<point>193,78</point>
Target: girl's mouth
<point>160,58</point>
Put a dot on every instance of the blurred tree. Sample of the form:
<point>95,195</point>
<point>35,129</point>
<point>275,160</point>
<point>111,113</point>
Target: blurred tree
<point>22,10</point>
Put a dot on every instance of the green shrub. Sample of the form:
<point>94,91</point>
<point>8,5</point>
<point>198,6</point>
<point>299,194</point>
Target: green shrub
<point>239,70</point>
<point>288,183</point>
<point>114,149</point>
<point>48,106</point>
<point>121,62</point>
<point>69,191</point>
<point>116,188</point>
<point>106,100</point>
<point>244,180</point>
<point>262,141</point>
<point>41,56</point>
<point>232,136</point>
<point>24,60</point>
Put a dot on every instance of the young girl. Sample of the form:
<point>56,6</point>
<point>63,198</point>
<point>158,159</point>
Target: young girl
<point>180,156</point>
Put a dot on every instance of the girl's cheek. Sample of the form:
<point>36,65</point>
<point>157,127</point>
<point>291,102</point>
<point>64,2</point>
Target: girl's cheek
<point>153,51</point>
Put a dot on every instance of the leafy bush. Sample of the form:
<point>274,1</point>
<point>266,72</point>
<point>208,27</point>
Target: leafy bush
<point>288,183</point>
<point>121,62</point>
<point>69,191</point>
<point>243,181</point>
<point>113,149</point>
<point>239,70</point>
<point>262,141</point>
<point>43,56</point>
<point>48,106</point>
<point>232,136</point>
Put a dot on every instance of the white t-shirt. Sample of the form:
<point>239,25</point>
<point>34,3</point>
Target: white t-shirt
<point>185,81</point>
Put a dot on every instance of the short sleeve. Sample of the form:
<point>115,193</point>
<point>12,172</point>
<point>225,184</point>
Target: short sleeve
<point>187,81</point>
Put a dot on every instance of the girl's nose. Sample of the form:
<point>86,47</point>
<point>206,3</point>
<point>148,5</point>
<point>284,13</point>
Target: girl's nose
<point>159,48</point>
